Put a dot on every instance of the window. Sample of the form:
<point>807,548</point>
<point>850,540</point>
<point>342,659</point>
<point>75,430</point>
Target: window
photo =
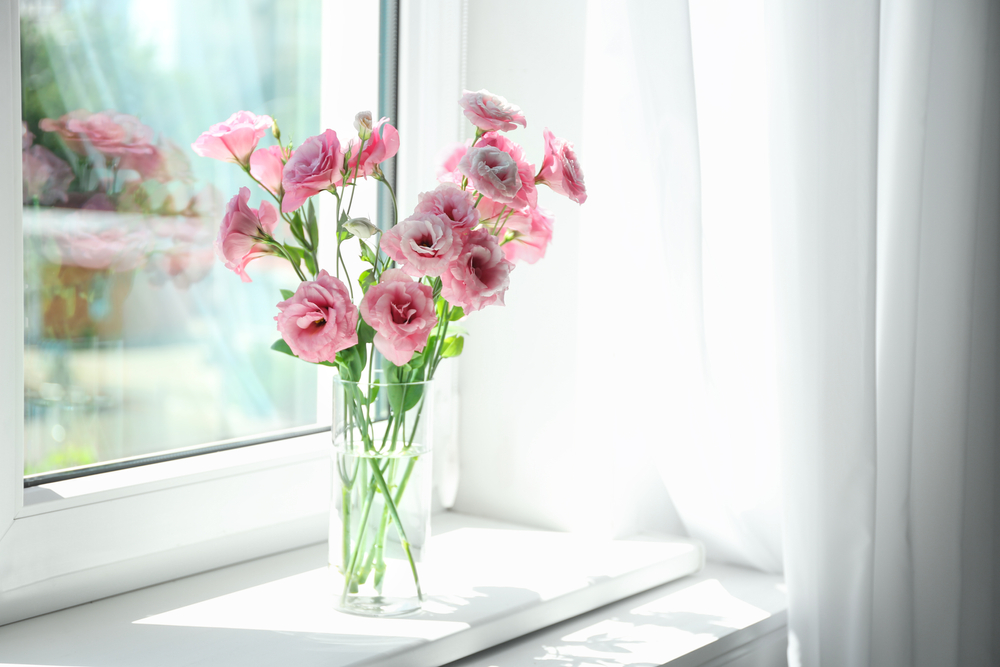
<point>76,540</point>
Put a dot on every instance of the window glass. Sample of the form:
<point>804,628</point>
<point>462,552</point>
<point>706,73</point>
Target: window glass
<point>137,340</point>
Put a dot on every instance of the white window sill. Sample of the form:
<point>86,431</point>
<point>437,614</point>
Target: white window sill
<point>488,583</point>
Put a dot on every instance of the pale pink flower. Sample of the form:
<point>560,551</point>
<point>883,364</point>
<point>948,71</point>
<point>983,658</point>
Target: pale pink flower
<point>561,170</point>
<point>479,276</point>
<point>59,125</point>
<point>44,175</point>
<point>267,166</point>
<point>449,158</point>
<point>530,234</point>
<point>315,166</point>
<point>240,234</point>
<point>492,172</point>
<point>527,196</point>
<point>173,164</point>
<point>491,112</point>
<point>402,313</point>
<point>116,248</point>
<point>423,244</point>
<point>235,139</point>
<point>450,201</point>
<point>319,320</point>
<point>379,147</point>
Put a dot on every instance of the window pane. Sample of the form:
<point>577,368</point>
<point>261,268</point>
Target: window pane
<point>137,339</point>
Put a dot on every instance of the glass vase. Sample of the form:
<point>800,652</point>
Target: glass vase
<point>381,493</point>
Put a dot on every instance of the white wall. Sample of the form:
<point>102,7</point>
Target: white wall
<point>543,408</point>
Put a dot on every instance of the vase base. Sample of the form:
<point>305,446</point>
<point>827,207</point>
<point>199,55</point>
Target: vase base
<point>378,605</point>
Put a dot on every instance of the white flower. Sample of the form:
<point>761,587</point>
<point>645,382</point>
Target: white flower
<point>361,227</point>
<point>363,124</point>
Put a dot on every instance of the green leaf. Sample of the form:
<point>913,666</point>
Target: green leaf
<point>403,397</point>
<point>436,287</point>
<point>456,313</point>
<point>367,254</point>
<point>295,225</point>
<point>452,347</point>
<point>311,225</point>
<point>373,392</point>
<point>366,280</point>
<point>287,294</point>
<point>365,332</point>
<point>352,362</point>
<point>310,263</point>
<point>281,346</point>
<point>343,235</point>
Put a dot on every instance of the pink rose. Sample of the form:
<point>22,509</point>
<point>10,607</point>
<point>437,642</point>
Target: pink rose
<point>242,228</point>
<point>530,234</point>
<point>561,170</point>
<point>402,313</point>
<point>379,147</point>
<point>267,166</point>
<point>450,201</point>
<point>492,172</point>
<point>315,166</point>
<point>527,195</point>
<point>233,140</point>
<point>319,320</point>
<point>44,176</point>
<point>480,274</point>
<point>491,112</point>
<point>423,244</point>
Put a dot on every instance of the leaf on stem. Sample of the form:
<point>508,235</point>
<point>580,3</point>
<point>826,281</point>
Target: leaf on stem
<point>351,362</point>
<point>452,347</point>
<point>456,313</point>
<point>367,254</point>
<point>366,280</point>
<point>287,294</point>
<point>366,334</point>
<point>311,225</point>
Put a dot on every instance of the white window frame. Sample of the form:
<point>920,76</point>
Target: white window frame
<point>71,542</point>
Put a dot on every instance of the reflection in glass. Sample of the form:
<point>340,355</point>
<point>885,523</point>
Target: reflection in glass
<point>136,339</point>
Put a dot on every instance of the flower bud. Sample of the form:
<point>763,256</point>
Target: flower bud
<point>363,124</point>
<point>361,227</point>
<point>275,130</point>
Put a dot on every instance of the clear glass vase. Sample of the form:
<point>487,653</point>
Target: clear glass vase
<point>381,493</point>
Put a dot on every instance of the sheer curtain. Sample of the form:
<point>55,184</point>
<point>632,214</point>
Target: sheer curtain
<point>815,193</point>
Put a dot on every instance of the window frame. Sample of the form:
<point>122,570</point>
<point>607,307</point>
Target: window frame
<point>70,542</point>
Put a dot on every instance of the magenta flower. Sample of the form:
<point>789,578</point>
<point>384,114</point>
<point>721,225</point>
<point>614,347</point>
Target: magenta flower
<point>480,274</point>
<point>423,244</point>
<point>402,313</point>
<point>267,166</point>
<point>492,172</point>
<point>527,196</point>
<point>379,147</point>
<point>450,201</point>
<point>491,112</point>
<point>235,139</point>
<point>319,320</point>
<point>532,234</point>
<point>241,235</point>
<point>315,166</point>
<point>561,170</point>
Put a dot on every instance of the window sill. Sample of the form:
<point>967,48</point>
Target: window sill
<point>488,583</point>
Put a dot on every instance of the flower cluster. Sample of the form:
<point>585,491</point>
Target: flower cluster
<point>452,256</point>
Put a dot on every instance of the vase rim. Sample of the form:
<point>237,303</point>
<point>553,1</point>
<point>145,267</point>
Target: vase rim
<point>378,375</point>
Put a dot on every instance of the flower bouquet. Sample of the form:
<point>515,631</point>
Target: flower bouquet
<point>452,256</point>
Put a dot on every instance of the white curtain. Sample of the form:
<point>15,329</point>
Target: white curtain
<point>816,189</point>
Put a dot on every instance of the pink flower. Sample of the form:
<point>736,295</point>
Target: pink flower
<point>491,112</point>
<point>44,176</point>
<point>26,136</point>
<point>450,201</point>
<point>527,195</point>
<point>492,172</point>
<point>402,313</point>
<point>315,166</point>
<point>423,244</point>
<point>233,140</point>
<point>116,248</point>
<point>448,171</point>
<point>319,320</point>
<point>530,234</point>
<point>242,228</point>
<point>561,170</point>
<point>72,138</point>
<point>267,166</point>
<point>379,147</point>
<point>480,274</point>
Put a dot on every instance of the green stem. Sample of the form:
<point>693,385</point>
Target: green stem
<point>380,480</point>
